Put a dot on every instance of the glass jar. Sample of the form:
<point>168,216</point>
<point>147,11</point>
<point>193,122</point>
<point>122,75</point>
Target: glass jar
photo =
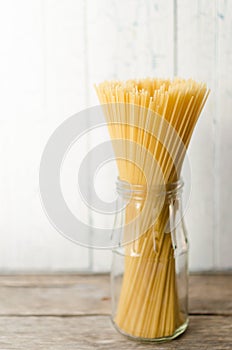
<point>149,275</point>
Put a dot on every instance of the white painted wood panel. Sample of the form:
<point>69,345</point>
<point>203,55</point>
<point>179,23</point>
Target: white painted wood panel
<point>65,88</point>
<point>52,52</point>
<point>196,47</point>
<point>42,83</point>
<point>223,139</point>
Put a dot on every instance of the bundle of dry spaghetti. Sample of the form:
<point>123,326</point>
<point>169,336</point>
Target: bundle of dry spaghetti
<point>157,116</point>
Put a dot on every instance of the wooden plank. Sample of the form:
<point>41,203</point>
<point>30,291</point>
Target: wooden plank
<point>52,280</point>
<point>90,294</point>
<point>223,135</point>
<point>53,295</point>
<point>210,294</point>
<point>196,58</point>
<point>97,332</point>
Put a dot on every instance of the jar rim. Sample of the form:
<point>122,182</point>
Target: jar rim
<point>171,188</point>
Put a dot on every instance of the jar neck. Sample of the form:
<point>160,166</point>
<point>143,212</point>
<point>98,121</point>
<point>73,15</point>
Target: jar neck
<point>170,190</point>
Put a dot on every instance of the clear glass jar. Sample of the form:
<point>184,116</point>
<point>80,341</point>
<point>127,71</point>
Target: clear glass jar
<point>149,275</point>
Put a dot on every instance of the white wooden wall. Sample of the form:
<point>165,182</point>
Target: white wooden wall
<point>51,54</point>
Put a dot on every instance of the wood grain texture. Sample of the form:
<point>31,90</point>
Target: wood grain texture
<point>97,332</point>
<point>210,294</point>
<point>66,312</point>
<point>90,294</point>
<point>55,295</point>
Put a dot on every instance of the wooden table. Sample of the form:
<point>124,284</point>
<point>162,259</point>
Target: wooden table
<point>72,312</point>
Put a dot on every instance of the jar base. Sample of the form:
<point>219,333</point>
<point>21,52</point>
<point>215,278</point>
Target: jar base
<point>178,332</point>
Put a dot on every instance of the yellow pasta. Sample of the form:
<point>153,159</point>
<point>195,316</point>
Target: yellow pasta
<point>137,113</point>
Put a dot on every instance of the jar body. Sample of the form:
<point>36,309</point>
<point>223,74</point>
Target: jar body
<point>149,276</point>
